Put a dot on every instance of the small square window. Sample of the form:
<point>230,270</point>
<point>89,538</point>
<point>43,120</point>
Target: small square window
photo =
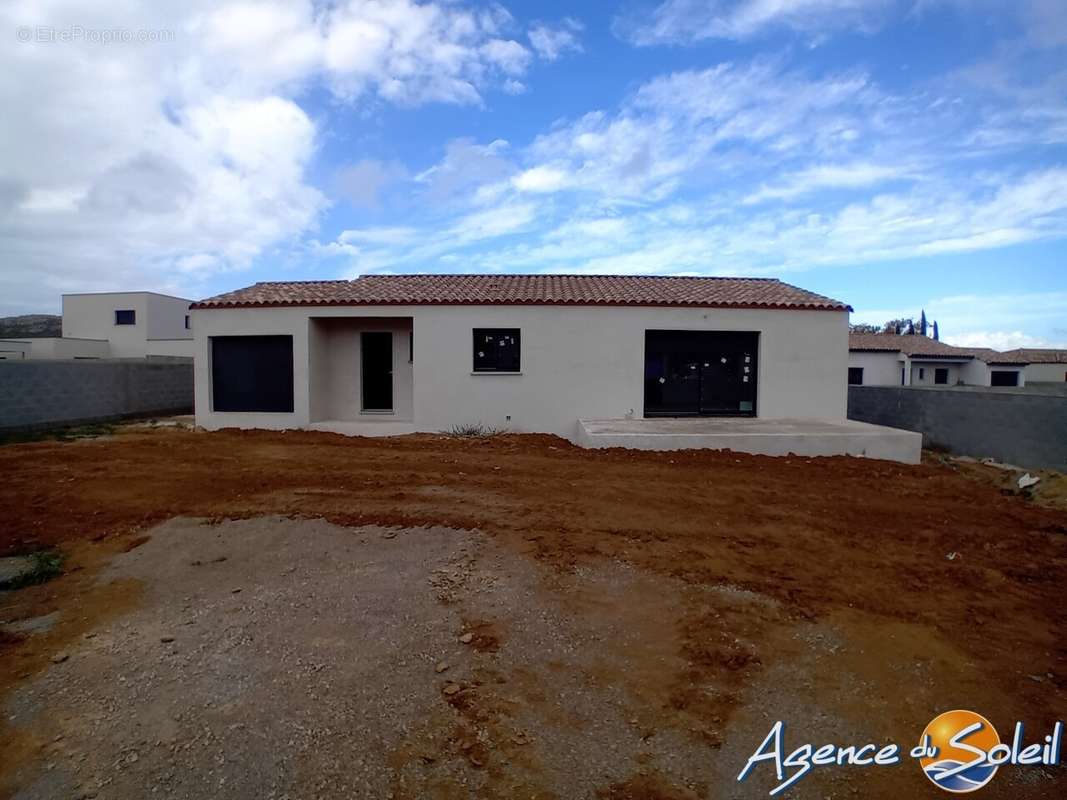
<point>496,350</point>
<point>126,316</point>
<point>855,376</point>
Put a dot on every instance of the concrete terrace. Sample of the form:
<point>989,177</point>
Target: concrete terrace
<point>771,437</point>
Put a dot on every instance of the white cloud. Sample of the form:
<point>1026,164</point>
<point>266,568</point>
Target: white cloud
<point>664,134</point>
<point>491,223</point>
<point>508,54</point>
<point>540,180</point>
<point>1003,340</point>
<point>827,176</point>
<point>159,165</point>
<point>994,320</point>
<point>384,235</point>
<point>685,21</point>
<point>410,53</point>
<point>364,182</point>
<point>466,167</point>
<point>551,43</point>
<point>658,185</point>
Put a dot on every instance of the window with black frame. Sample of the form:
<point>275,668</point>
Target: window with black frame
<point>496,350</point>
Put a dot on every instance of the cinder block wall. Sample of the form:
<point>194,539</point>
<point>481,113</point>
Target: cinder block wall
<point>37,394</point>
<point>1029,430</point>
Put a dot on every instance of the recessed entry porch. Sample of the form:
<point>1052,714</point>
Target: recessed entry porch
<point>361,375</point>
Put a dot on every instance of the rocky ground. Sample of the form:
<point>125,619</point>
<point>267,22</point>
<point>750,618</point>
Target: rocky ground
<point>291,615</point>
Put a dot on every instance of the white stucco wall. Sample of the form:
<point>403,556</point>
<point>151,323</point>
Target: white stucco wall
<point>1045,373</point>
<point>978,373</point>
<point>975,373</point>
<point>53,347</point>
<point>576,362</point>
<point>879,369</point>
<point>15,349</point>
<point>955,372</point>
<point>166,317</point>
<point>92,316</point>
<point>174,348</point>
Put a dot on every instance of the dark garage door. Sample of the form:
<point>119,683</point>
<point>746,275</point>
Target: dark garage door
<point>1003,377</point>
<point>700,373</point>
<point>252,373</point>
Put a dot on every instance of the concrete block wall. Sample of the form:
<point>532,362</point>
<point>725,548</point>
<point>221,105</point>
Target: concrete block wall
<point>1015,427</point>
<point>35,394</point>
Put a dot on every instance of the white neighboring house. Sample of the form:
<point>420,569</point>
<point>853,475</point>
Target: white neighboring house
<point>534,353</point>
<point>886,359</point>
<point>1045,366</point>
<point>114,325</point>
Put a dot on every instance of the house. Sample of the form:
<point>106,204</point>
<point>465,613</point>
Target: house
<point>1044,366</point>
<point>114,325</point>
<point>529,353</point>
<point>886,359</point>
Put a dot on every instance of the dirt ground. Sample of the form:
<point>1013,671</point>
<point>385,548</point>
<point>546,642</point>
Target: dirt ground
<point>253,614</point>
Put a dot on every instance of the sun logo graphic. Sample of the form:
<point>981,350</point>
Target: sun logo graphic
<point>958,744</point>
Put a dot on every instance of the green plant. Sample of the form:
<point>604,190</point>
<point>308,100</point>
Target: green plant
<point>473,431</point>
<point>65,434</point>
<point>46,565</point>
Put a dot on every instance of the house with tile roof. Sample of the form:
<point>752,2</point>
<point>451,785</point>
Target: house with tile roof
<point>526,353</point>
<point>1043,365</point>
<point>886,359</point>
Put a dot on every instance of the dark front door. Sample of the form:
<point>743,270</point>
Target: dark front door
<point>376,348</point>
<point>700,373</point>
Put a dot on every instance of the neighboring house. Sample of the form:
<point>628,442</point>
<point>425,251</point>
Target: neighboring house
<point>1044,366</point>
<point>135,324</point>
<point>886,359</point>
<point>534,353</point>
<point>114,325</point>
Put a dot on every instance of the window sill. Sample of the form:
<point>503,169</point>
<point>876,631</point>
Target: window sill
<point>488,372</point>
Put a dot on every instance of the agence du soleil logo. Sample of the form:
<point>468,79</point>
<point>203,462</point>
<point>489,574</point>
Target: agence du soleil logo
<point>959,751</point>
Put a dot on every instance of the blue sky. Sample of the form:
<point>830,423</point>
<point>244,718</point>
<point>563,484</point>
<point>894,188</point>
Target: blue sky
<point>896,155</point>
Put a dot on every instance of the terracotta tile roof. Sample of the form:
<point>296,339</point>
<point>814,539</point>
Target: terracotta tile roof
<point>909,344</point>
<point>918,346</point>
<point>595,290</point>
<point>1039,356</point>
<point>991,356</point>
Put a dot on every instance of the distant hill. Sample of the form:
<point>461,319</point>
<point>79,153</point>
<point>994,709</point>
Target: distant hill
<point>31,326</point>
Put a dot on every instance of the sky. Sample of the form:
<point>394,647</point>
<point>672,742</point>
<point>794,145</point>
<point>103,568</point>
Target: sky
<point>895,154</point>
